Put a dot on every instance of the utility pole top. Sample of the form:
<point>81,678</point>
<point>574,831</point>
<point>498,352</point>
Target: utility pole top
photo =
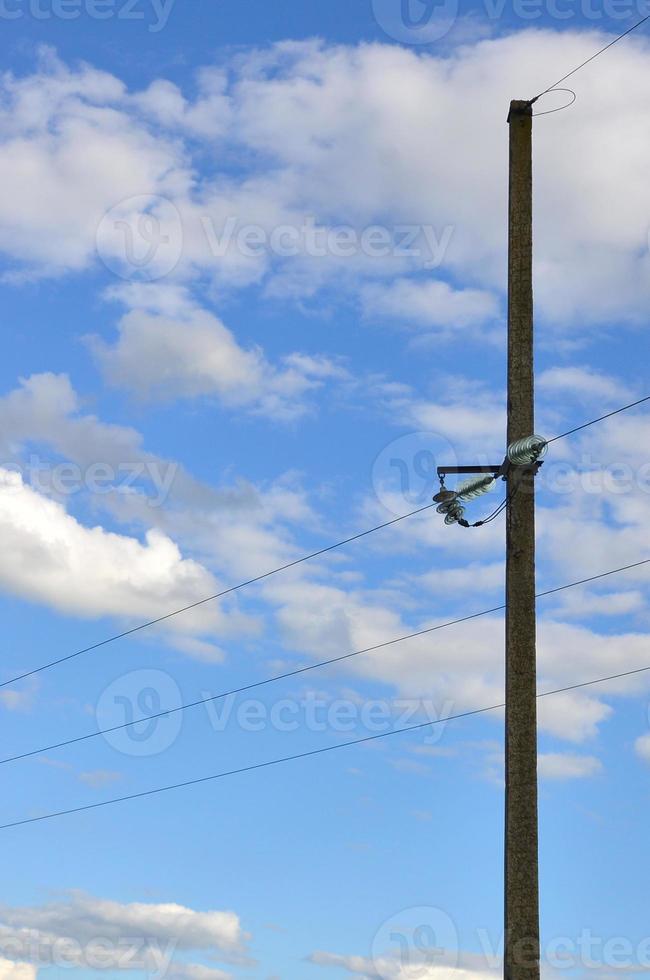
<point>519,107</point>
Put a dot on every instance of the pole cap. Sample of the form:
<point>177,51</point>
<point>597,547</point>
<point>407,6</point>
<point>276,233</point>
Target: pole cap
<point>520,107</point>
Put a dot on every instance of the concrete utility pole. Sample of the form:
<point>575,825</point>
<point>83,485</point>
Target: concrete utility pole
<point>521,950</point>
<point>521,953</point>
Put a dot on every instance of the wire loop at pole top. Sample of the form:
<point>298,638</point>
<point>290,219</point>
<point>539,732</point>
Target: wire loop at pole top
<point>560,108</point>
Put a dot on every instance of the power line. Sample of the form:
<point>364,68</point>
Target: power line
<point>593,56</point>
<point>211,598</point>
<point>313,752</point>
<point>248,687</point>
<point>503,506</point>
<point>310,667</point>
<point>601,418</point>
<point>281,568</point>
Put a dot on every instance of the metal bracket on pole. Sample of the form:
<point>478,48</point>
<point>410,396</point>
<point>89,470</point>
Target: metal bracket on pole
<point>503,470</point>
<point>448,470</point>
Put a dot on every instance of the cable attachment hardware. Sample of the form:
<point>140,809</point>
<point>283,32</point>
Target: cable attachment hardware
<point>444,496</point>
<point>525,451</point>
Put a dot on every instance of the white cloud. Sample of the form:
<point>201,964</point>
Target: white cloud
<point>20,700</point>
<point>208,117</point>
<point>52,558</point>
<point>192,353</point>
<point>431,304</point>
<point>583,383</point>
<point>403,151</point>
<point>472,420</point>
<point>195,971</point>
<point>92,928</point>
<point>67,155</point>
<point>239,529</point>
<point>460,667</point>
<point>391,967</point>
<point>98,778</point>
<point>642,747</point>
<point>16,971</point>
<point>582,603</point>
<point>572,715</point>
<point>564,765</point>
<point>473,579</point>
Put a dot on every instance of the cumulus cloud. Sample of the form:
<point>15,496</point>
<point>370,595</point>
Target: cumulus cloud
<point>375,158</point>
<point>392,967</point>
<point>474,577</point>
<point>17,971</point>
<point>564,765</point>
<point>399,154</point>
<point>67,155</point>
<point>471,419</point>
<point>53,559</point>
<point>93,933</point>
<point>583,383</point>
<point>326,619</point>
<point>642,747</point>
<point>192,353</point>
<point>431,304</point>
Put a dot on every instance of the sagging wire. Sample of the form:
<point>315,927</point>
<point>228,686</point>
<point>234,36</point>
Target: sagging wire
<point>560,108</point>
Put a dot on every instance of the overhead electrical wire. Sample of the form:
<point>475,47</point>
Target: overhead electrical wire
<point>310,667</point>
<point>601,418</point>
<point>288,565</point>
<point>211,598</point>
<point>504,503</point>
<point>306,755</point>
<point>592,58</point>
<point>281,568</point>
<point>248,687</point>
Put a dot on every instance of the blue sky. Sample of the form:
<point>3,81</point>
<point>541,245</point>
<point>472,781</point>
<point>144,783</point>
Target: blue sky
<point>253,269</point>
